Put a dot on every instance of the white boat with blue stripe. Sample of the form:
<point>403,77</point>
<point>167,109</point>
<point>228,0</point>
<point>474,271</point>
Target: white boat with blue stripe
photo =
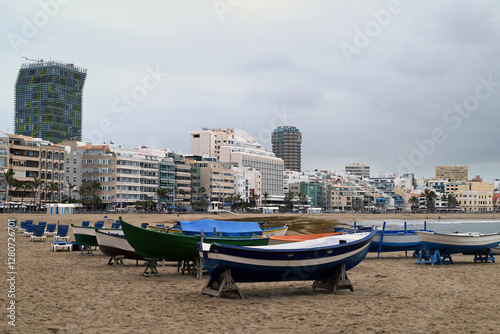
<point>469,242</point>
<point>306,260</point>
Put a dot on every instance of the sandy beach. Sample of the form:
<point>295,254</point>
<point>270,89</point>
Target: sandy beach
<point>65,292</point>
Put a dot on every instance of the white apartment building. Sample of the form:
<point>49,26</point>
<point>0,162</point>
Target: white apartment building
<point>239,149</point>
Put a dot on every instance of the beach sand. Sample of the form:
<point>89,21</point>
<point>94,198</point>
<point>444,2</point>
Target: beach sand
<point>65,292</point>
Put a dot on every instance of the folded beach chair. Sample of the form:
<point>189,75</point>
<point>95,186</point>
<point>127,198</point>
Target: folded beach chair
<point>62,233</point>
<point>50,229</point>
<point>30,227</point>
<point>115,225</point>
<point>85,223</point>
<point>99,224</point>
<point>38,233</point>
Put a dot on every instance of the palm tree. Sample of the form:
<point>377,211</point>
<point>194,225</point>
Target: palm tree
<point>289,200</point>
<point>451,201</point>
<point>52,188</point>
<point>201,191</point>
<point>70,187</point>
<point>253,199</point>
<point>35,184</point>
<point>25,186</point>
<point>95,188</point>
<point>82,191</point>
<point>237,200</point>
<point>303,199</point>
<point>413,201</point>
<point>11,180</point>
<point>161,193</point>
<point>266,196</point>
<point>430,197</point>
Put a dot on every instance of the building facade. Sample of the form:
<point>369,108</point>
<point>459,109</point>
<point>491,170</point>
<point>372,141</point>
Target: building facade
<point>33,159</point>
<point>236,147</point>
<point>48,101</point>
<point>357,169</point>
<point>286,144</point>
<point>452,173</point>
<point>472,196</point>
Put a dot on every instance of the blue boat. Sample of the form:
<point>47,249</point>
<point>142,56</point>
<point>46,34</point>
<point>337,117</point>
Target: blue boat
<point>316,259</point>
<point>226,228</point>
<point>396,240</point>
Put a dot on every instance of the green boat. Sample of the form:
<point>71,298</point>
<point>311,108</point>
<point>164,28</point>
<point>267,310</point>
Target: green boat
<point>176,246</point>
<point>85,235</point>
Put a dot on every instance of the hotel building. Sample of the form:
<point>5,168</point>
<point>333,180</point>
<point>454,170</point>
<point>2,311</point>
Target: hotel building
<point>48,101</point>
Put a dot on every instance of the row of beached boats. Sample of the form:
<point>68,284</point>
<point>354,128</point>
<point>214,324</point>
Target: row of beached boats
<point>247,252</point>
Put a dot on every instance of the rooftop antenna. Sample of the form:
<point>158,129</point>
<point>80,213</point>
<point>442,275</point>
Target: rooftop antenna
<point>37,60</point>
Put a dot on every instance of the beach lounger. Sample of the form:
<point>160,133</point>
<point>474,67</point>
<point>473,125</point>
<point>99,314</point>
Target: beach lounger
<point>115,225</point>
<point>85,223</point>
<point>60,245</point>
<point>50,230</point>
<point>99,224</point>
<point>22,227</point>
<point>29,230</point>
<point>62,233</point>
<point>42,224</point>
<point>38,233</point>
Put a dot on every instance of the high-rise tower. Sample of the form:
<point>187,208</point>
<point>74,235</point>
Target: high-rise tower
<point>287,141</point>
<point>48,101</point>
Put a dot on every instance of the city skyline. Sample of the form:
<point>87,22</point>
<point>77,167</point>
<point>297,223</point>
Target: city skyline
<point>394,85</point>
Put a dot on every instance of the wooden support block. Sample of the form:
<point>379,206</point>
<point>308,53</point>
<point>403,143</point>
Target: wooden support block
<point>150,268</point>
<point>488,256</point>
<point>224,287</point>
<point>339,280</point>
<point>86,250</point>
<point>115,260</point>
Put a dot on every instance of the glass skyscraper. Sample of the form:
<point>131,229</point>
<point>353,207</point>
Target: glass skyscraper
<point>48,102</point>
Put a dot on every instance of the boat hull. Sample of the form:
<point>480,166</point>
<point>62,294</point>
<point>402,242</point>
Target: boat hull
<point>175,246</point>
<point>290,263</point>
<point>458,242</point>
<point>86,236</point>
<point>111,244</point>
<point>395,241</point>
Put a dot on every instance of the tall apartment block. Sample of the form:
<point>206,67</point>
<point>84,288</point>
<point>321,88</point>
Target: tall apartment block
<point>48,101</point>
<point>452,173</point>
<point>286,142</point>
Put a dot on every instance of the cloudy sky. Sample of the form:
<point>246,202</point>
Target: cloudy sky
<point>399,85</point>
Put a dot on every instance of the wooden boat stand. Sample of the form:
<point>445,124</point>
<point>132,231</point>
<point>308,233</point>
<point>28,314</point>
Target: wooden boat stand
<point>488,256</point>
<point>192,267</point>
<point>426,257</point>
<point>150,268</point>
<point>116,260</point>
<point>86,250</point>
<point>339,280</point>
<point>225,286</point>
